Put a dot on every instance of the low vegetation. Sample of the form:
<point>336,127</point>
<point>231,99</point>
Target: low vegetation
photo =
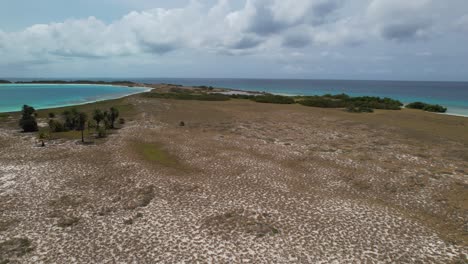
<point>4,81</point>
<point>189,96</point>
<point>204,87</point>
<point>352,104</point>
<point>360,104</point>
<point>155,153</point>
<point>360,109</point>
<point>28,119</point>
<point>273,99</point>
<point>427,107</point>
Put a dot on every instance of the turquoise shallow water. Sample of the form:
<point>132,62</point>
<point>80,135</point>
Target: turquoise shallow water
<point>40,96</point>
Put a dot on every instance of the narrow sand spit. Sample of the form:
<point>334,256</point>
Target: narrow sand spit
<point>240,183</point>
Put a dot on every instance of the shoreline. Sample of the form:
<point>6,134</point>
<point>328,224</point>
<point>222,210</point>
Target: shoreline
<point>150,87</point>
<point>147,89</point>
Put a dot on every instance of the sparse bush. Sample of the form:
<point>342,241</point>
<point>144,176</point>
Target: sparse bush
<point>243,96</point>
<point>181,123</point>
<point>416,105</point>
<point>71,119</point>
<point>359,104</point>
<point>56,126</point>
<point>427,107</point>
<point>91,124</point>
<point>341,96</point>
<point>43,135</point>
<point>189,96</point>
<point>98,116</point>
<point>435,108</point>
<point>101,132</point>
<point>113,115</point>
<point>122,121</point>
<point>273,99</point>
<point>375,102</point>
<point>317,101</point>
<point>51,115</point>
<point>28,120</point>
<point>361,109</point>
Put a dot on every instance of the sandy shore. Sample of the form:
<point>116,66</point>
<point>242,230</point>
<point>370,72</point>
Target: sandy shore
<point>241,182</point>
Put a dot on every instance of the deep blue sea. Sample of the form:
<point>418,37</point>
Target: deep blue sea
<point>453,95</point>
<point>40,96</point>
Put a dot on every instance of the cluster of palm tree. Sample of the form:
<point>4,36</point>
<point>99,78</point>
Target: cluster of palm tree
<point>108,117</point>
<point>70,120</point>
<point>78,121</point>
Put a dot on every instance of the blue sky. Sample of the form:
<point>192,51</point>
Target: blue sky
<point>317,39</point>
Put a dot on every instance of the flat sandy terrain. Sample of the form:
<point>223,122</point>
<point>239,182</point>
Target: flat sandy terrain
<point>241,182</point>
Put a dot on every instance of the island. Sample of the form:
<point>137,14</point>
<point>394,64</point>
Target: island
<point>196,170</point>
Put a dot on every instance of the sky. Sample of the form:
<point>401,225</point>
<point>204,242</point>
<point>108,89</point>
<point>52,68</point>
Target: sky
<point>293,39</point>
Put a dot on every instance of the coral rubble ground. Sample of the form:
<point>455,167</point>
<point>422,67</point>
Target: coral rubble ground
<point>240,182</point>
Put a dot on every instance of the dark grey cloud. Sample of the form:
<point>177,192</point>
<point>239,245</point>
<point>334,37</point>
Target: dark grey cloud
<point>314,13</point>
<point>263,23</point>
<point>320,13</point>
<point>158,48</point>
<point>296,41</point>
<point>246,43</point>
<point>405,31</point>
<point>76,54</point>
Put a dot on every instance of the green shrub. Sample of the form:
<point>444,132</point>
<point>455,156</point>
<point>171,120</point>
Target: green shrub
<point>51,115</point>
<point>28,119</point>
<point>92,124</point>
<point>435,108</point>
<point>416,105</point>
<point>375,102</point>
<point>361,109</point>
<point>317,101</point>
<point>273,99</point>
<point>189,96</point>
<point>56,126</point>
<point>427,107</point>
<point>71,119</point>
<point>101,132</point>
<point>341,96</point>
<point>242,96</point>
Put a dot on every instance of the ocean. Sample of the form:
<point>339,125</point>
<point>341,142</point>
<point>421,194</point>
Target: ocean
<point>40,96</point>
<point>453,95</point>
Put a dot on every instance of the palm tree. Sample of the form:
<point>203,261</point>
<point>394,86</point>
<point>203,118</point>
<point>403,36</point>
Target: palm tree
<point>114,114</point>
<point>98,116</point>
<point>82,118</point>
